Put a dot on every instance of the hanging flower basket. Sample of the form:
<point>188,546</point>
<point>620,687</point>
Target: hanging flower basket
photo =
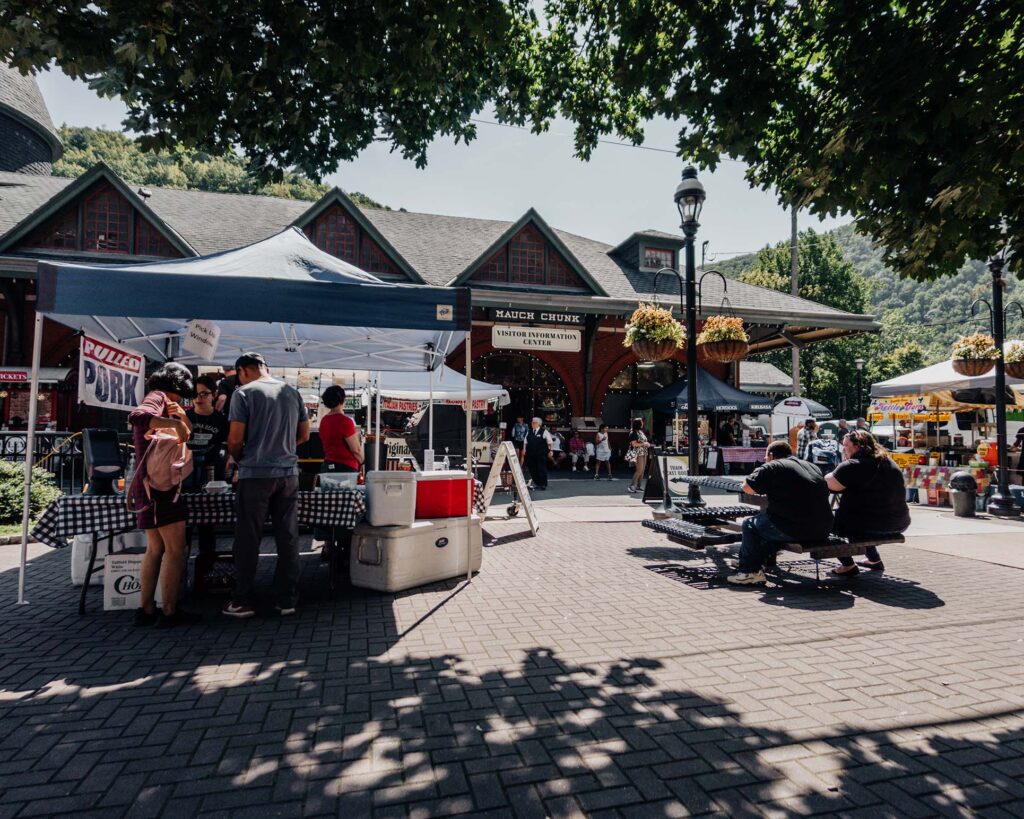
<point>974,355</point>
<point>723,339</point>
<point>653,350</point>
<point>726,351</point>
<point>653,334</point>
<point>1014,359</point>
<point>973,366</point>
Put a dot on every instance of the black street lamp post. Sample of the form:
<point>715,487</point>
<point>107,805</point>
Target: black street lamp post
<point>1002,503</point>
<point>689,198</point>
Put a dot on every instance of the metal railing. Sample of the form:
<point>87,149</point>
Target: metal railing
<point>58,452</point>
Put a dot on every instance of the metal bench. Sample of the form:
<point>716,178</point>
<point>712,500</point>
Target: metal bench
<point>691,535</point>
<point>836,546</point>
<point>696,514</point>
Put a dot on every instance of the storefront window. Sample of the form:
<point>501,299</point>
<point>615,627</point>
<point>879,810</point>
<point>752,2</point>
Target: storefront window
<point>634,382</point>
<point>534,388</point>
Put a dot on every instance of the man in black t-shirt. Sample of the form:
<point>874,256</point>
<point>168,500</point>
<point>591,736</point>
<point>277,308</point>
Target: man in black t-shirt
<point>225,389</point>
<point>798,510</point>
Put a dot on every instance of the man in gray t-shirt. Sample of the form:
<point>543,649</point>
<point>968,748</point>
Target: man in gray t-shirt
<point>268,420</point>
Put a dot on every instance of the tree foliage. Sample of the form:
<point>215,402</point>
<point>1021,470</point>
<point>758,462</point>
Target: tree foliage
<point>828,372</point>
<point>195,170</point>
<point>905,115</point>
<point>292,85</point>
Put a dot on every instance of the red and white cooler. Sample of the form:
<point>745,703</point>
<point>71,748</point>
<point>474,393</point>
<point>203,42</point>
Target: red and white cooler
<point>442,494</point>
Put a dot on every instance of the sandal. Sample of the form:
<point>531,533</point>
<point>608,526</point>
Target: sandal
<point>877,566</point>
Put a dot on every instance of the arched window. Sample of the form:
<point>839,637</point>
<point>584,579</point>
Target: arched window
<point>533,387</point>
<point>636,381</point>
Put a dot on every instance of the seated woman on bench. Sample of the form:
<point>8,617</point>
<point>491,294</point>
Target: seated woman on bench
<point>873,502</point>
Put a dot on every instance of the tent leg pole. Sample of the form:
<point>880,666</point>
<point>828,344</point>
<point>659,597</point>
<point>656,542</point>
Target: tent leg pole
<point>30,447</point>
<point>469,457</point>
<point>430,421</point>
<point>376,438</point>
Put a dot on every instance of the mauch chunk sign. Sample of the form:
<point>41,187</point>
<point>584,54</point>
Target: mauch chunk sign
<point>109,375</point>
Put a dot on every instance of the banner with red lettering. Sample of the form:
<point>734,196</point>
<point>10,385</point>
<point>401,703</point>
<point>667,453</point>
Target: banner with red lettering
<point>109,375</point>
<point>407,405</point>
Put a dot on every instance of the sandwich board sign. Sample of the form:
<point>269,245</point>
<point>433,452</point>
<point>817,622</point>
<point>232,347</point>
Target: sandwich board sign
<point>506,455</point>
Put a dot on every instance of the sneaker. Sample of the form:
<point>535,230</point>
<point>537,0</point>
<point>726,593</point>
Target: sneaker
<point>178,618</point>
<point>631,489</point>
<point>747,578</point>
<point>238,610</point>
<point>574,469</point>
<point>874,567</point>
<point>285,611</point>
<point>144,619</point>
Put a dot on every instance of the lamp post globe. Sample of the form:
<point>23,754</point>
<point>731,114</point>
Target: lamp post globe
<point>689,199</point>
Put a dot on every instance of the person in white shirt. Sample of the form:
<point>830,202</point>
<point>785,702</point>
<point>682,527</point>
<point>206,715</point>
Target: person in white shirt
<point>603,452</point>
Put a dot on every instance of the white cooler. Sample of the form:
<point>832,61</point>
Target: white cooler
<point>391,559</point>
<point>391,498</point>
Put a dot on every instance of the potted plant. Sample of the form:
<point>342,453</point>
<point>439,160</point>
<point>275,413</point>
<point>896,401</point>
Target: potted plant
<point>975,354</point>
<point>653,333</point>
<point>724,339</point>
<point>1014,358</point>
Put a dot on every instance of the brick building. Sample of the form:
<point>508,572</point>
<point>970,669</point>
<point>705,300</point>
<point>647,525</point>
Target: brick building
<point>549,306</point>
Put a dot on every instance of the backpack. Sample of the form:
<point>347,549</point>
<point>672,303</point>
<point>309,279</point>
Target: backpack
<point>168,462</point>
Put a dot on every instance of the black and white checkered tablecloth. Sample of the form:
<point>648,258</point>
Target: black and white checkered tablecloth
<point>84,514</point>
<point>72,515</point>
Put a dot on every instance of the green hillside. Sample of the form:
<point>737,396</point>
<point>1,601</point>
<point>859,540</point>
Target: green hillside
<point>932,313</point>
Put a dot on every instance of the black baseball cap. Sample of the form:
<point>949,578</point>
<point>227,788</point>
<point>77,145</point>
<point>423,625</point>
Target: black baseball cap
<point>250,360</point>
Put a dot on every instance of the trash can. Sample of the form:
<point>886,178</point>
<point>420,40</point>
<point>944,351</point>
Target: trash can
<point>963,494</point>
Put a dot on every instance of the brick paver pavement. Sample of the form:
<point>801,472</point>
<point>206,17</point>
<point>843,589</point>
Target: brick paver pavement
<point>593,670</point>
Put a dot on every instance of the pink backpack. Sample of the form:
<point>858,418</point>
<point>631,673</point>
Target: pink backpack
<point>167,463</point>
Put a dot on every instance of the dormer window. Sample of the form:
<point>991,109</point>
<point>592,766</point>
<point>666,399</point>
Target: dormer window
<point>659,257</point>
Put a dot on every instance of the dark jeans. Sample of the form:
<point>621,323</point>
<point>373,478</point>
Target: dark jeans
<point>760,537</point>
<point>537,464</point>
<point>255,498</point>
<point>206,533</point>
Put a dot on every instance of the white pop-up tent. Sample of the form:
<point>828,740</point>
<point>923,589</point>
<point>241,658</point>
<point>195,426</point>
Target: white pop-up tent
<point>940,384</point>
<point>282,297</point>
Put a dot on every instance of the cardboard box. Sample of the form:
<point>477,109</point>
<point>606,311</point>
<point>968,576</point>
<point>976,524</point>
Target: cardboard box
<point>122,582</point>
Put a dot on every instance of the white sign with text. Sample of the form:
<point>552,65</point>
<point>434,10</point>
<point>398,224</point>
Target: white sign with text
<point>201,339</point>
<point>109,375</point>
<point>516,337</point>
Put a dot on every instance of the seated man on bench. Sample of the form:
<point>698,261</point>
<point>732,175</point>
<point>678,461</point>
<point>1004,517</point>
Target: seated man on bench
<point>873,503</point>
<point>798,509</point>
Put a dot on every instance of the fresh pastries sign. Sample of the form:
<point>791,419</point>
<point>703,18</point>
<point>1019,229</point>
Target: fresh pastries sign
<point>109,375</point>
<point>517,337</point>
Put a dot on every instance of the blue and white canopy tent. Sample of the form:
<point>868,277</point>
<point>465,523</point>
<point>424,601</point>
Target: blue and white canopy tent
<point>282,297</point>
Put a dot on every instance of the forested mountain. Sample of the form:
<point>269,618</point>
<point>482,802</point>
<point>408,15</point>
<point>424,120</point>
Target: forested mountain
<point>194,170</point>
<point>931,313</point>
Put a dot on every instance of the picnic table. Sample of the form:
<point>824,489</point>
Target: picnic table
<point>698,527</point>
<point>104,516</point>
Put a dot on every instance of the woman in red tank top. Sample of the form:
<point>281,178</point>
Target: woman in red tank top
<point>343,451</point>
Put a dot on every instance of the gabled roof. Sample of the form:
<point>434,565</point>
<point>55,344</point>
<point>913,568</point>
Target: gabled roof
<point>440,249</point>
<point>21,99</point>
<point>531,217</point>
<point>97,173</point>
<point>336,196</point>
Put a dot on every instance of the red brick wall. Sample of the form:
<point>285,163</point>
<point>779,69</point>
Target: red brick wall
<point>609,358</point>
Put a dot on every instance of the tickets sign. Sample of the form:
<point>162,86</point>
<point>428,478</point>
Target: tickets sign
<point>109,375</point>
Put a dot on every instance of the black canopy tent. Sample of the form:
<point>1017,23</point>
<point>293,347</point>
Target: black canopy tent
<point>713,395</point>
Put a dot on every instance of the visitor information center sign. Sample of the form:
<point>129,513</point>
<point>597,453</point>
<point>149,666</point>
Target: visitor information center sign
<point>554,339</point>
<point>109,375</point>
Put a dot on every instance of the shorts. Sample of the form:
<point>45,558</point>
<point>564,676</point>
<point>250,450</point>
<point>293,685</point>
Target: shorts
<point>163,510</point>
<point>518,445</point>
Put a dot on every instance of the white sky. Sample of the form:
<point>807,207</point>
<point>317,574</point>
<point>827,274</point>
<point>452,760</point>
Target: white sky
<point>505,171</point>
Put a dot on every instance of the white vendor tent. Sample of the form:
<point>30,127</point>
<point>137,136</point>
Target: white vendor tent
<point>941,385</point>
<point>283,297</point>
